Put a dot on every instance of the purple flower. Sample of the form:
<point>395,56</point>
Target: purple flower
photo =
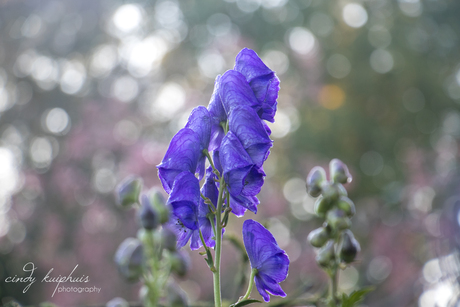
<point>244,179</point>
<point>200,122</point>
<point>218,116</point>
<point>262,80</point>
<point>182,155</point>
<point>235,91</point>
<point>245,124</point>
<point>265,256</point>
<point>189,214</point>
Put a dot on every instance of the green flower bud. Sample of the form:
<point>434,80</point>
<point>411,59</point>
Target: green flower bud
<point>322,205</point>
<point>147,215</point>
<point>331,192</point>
<point>350,247</point>
<point>117,302</point>
<point>338,220</point>
<point>127,192</point>
<point>176,296</point>
<point>168,239</point>
<point>318,237</point>
<point>346,205</point>
<point>326,254</point>
<point>341,189</point>
<point>159,204</point>
<point>180,263</point>
<point>315,179</point>
<point>130,259</point>
<point>339,171</point>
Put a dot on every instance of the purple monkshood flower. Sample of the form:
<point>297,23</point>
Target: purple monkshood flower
<point>245,124</point>
<point>262,80</point>
<point>218,116</point>
<point>185,152</point>
<point>270,261</point>
<point>189,212</point>
<point>244,179</point>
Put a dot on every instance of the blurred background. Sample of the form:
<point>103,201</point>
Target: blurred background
<point>92,91</point>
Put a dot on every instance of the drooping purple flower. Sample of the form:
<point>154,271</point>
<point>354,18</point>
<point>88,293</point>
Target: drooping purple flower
<point>235,91</point>
<point>200,122</point>
<point>245,124</point>
<point>182,155</point>
<point>270,261</point>
<point>243,178</point>
<point>184,199</point>
<point>218,116</point>
<point>262,80</point>
<point>189,212</point>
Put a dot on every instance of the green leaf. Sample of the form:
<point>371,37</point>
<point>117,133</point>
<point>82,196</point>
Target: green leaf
<point>245,302</point>
<point>355,297</point>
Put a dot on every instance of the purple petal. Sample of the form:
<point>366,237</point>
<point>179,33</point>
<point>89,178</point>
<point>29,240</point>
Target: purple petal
<point>276,266</point>
<point>259,243</point>
<point>262,80</point>
<point>182,155</point>
<point>240,204</point>
<point>236,163</point>
<point>218,115</point>
<point>246,125</point>
<point>234,91</point>
<point>183,233</point>
<point>184,199</point>
<point>265,284</point>
<point>200,122</point>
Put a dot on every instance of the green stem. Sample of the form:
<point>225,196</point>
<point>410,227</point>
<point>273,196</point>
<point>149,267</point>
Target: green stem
<point>251,284</point>
<point>215,171</point>
<point>218,248</point>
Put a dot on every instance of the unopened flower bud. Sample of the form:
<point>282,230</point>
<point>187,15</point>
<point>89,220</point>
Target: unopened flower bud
<point>315,179</point>
<point>117,302</point>
<point>318,237</point>
<point>127,192</point>
<point>331,192</point>
<point>339,171</point>
<point>341,189</point>
<point>176,296</point>
<point>326,254</point>
<point>338,220</point>
<point>180,263</point>
<point>147,215</point>
<point>159,203</point>
<point>350,247</point>
<point>322,205</point>
<point>130,259</point>
<point>346,205</point>
<point>168,239</point>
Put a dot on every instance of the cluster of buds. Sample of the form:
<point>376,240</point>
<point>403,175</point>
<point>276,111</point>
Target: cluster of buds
<point>151,256</point>
<point>334,239</point>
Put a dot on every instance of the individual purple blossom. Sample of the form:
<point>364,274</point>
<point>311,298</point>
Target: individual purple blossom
<point>245,124</point>
<point>243,178</point>
<point>235,91</point>
<point>262,80</point>
<point>182,155</point>
<point>218,116</point>
<point>189,212</point>
<point>267,258</point>
<point>200,122</point>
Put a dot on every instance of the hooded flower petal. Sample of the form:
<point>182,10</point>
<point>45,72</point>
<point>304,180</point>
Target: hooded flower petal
<point>234,91</point>
<point>246,125</point>
<point>184,199</point>
<point>182,155</point>
<point>240,173</point>
<point>267,257</point>
<point>218,116</point>
<point>262,80</point>
<point>200,122</point>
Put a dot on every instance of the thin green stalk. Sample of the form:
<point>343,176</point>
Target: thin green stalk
<point>218,248</point>
<point>251,284</point>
